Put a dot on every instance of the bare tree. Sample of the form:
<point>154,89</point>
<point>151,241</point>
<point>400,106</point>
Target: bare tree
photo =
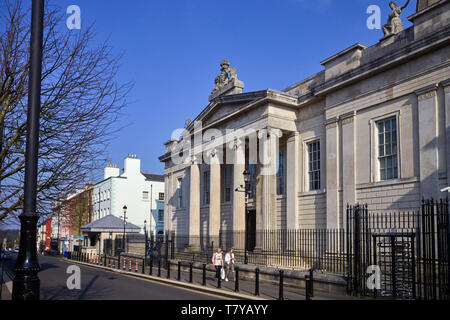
<point>81,101</point>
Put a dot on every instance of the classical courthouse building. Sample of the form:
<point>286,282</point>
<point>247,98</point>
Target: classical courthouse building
<point>371,127</point>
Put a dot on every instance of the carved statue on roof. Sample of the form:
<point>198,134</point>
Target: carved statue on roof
<point>227,75</point>
<point>394,24</point>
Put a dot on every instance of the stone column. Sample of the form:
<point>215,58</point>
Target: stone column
<point>332,152</point>
<point>194,207</point>
<point>348,159</point>
<point>428,141</point>
<point>239,197</point>
<point>269,168</point>
<point>446,85</point>
<point>214,205</point>
<point>292,179</point>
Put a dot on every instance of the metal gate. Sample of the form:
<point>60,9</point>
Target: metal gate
<point>410,248</point>
<point>394,255</point>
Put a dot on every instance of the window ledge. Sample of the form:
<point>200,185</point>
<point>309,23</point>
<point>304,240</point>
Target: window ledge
<point>312,193</point>
<point>386,183</point>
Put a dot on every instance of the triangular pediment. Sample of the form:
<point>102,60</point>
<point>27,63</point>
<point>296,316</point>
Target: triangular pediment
<point>225,106</point>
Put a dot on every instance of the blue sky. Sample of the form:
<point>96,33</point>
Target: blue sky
<point>172,50</point>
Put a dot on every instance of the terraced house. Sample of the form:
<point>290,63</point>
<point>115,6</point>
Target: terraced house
<point>371,127</point>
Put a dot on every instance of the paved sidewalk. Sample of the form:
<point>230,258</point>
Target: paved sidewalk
<point>6,284</point>
<point>267,290</point>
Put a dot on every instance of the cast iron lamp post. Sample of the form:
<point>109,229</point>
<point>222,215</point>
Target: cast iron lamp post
<point>124,225</point>
<point>26,283</point>
<point>110,244</point>
<point>146,238</point>
<point>247,191</point>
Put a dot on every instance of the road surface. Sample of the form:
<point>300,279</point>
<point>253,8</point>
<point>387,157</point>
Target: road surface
<point>101,285</point>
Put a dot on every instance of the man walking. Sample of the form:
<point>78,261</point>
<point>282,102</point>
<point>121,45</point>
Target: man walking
<point>229,262</point>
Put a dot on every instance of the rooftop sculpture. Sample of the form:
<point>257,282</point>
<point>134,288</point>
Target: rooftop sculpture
<point>394,24</point>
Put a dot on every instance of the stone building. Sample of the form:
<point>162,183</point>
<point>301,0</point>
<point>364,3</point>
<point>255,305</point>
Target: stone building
<point>371,127</point>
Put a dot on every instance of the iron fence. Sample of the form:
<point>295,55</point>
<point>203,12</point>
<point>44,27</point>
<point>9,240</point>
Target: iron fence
<point>409,250</point>
<point>318,249</point>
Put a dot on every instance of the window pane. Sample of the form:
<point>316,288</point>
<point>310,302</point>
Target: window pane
<point>387,148</point>
<point>314,165</point>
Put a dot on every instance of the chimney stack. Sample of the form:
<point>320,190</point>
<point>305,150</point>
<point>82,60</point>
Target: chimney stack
<point>111,170</point>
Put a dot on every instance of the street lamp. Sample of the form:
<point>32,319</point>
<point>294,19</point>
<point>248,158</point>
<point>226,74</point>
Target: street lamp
<point>146,237</point>
<point>246,174</point>
<point>124,225</point>
<point>110,244</point>
<point>246,189</point>
<point>26,283</point>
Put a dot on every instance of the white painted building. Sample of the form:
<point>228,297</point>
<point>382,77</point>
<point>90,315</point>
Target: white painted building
<point>141,192</point>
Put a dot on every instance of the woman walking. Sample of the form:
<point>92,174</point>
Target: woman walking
<point>229,261</point>
<point>217,261</point>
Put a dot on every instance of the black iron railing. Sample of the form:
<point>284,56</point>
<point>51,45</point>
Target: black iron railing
<point>409,250</point>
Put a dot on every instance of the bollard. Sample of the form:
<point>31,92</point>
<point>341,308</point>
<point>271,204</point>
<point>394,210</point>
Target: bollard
<point>136,267</point>
<point>281,293</point>
<point>257,282</point>
<point>307,287</point>
<point>311,276</point>
<point>204,275</point>
<point>159,267</point>
<point>168,269</point>
<point>143,266</point>
<point>104,260</point>
<point>124,263</point>
<point>236,279</point>
<point>179,271</point>
<point>191,265</point>
<point>129,265</point>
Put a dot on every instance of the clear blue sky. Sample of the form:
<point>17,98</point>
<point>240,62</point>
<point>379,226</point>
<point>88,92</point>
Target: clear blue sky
<point>172,51</point>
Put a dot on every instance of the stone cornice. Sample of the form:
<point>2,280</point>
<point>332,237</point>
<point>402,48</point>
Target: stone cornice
<point>348,117</point>
<point>260,97</point>
<point>427,9</point>
<point>427,92</point>
<point>355,47</point>
<point>414,48</point>
<point>331,123</point>
<point>446,85</point>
